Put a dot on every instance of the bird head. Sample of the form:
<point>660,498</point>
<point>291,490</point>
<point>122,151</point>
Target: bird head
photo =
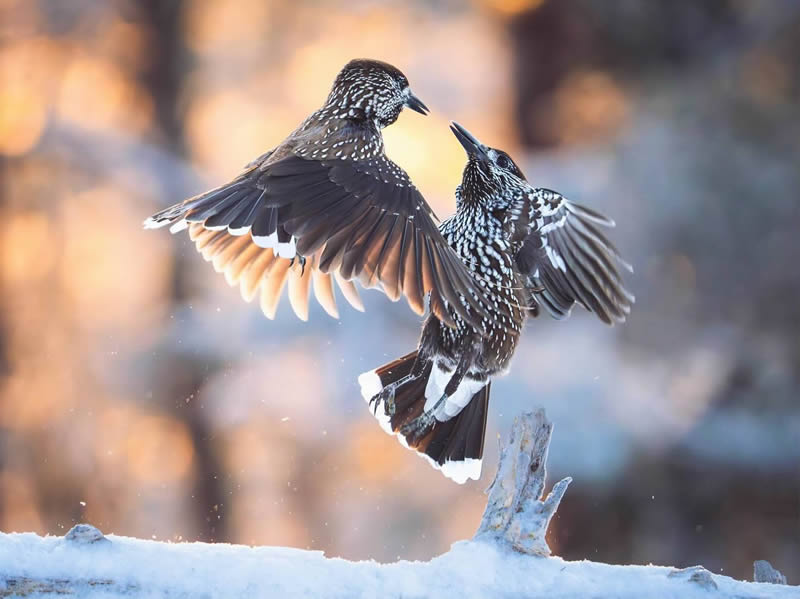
<point>374,91</point>
<point>490,174</point>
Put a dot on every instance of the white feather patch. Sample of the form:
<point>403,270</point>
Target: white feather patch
<point>553,225</point>
<point>370,384</point>
<point>287,250</point>
<point>268,241</point>
<point>151,223</point>
<point>177,227</point>
<point>458,472</point>
<point>461,471</point>
<point>555,259</point>
<point>453,405</point>
<point>238,232</point>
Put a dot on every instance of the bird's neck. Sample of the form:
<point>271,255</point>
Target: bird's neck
<point>470,202</point>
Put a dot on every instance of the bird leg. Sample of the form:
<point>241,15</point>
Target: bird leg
<point>420,426</point>
<point>386,394</point>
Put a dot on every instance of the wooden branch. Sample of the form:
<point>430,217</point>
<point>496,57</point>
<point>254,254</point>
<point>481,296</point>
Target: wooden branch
<point>516,514</point>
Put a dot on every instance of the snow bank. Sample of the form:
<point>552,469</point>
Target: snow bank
<point>121,566</point>
<point>508,558</point>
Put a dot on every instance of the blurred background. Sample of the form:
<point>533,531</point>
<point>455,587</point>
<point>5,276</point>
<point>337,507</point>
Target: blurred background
<point>139,393</point>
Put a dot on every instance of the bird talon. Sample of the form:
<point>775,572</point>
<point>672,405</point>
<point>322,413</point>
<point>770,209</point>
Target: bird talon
<point>301,260</point>
<point>419,427</point>
<point>386,397</point>
<point>389,405</point>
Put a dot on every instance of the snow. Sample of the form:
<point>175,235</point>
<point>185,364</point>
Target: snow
<point>89,566</point>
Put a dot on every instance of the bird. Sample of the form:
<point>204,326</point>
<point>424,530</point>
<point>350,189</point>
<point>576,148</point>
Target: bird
<point>327,205</point>
<point>529,249</point>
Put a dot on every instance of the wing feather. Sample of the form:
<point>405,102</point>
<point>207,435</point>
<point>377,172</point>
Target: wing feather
<point>361,221</point>
<point>566,259</point>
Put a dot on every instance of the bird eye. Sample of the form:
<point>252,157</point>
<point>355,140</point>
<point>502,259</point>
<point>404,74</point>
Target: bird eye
<point>503,161</point>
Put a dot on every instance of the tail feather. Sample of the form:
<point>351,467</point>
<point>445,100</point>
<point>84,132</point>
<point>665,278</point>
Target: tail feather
<point>454,446</point>
<point>462,437</point>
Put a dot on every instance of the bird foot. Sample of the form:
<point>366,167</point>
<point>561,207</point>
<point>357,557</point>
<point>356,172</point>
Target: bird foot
<point>419,427</point>
<point>301,260</point>
<point>385,397</point>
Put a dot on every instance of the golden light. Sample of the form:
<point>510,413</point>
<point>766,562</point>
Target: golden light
<point>98,95</point>
<point>378,458</point>
<point>20,511</point>
<point>28,70</point>
<point>211,26</point>
<point>26,248</point>
<point>109,274</point>
<point>23,115</point>
<point>31,399</point>
<point>158,450</point>
<point>227,129</point>
<point>510,8</point>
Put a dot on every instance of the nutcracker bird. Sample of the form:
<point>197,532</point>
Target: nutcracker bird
<point>326,205</point>
<point>527,248</point>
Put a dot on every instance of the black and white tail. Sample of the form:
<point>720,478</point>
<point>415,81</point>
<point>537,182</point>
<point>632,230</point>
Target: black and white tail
<point>454,445</point>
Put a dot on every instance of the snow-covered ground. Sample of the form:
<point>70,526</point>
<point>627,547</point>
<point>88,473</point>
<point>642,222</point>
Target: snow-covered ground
<point>31,565</point>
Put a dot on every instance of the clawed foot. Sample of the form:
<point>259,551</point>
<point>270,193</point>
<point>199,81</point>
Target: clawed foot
<point>385,397</point>
<point>301,260</point>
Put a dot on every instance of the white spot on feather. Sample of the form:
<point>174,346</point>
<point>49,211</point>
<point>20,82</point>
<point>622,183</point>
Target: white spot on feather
<point>266,241</point>
<point>177,227</point>
<point>287,250</point>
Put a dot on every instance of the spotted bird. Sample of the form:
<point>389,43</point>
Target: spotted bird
<point>328,206</point>
<point>527,248</point>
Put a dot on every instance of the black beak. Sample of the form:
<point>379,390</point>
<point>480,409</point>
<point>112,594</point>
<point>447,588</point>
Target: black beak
<point>417,105</point>
<point>469,141</point>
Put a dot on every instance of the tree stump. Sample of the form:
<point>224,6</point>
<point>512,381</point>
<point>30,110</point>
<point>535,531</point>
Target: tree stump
<point>516,512</point>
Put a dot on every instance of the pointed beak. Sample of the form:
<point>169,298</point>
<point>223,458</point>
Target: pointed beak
<point>417,105</point>
<point>469,141</point>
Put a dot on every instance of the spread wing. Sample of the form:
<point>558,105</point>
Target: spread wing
<point>566,258</point>
<point>352,220</point>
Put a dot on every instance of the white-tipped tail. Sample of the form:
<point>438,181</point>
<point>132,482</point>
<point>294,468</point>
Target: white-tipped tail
<point>370,384</point>
<point>438,446</point>
<point>460,472</point>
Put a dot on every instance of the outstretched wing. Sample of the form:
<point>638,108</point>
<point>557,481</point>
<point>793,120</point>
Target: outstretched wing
<point>262,274</point>
<point>355,220</point>
<point>565,258</point>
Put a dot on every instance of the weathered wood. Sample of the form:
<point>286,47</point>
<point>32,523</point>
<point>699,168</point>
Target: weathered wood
<point>516,513</point>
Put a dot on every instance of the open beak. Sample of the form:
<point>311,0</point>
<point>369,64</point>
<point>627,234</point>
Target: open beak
<point>417,105</point>
<point>469,141</point>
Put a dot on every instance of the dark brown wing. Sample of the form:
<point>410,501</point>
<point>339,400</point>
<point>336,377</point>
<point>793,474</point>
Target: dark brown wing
<point>360,220</point>
<point>567,259</point>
